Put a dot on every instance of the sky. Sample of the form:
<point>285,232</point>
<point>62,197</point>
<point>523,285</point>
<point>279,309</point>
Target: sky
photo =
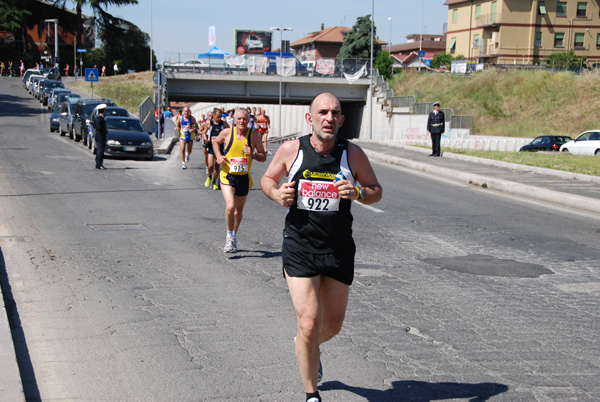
<point>181,26</point>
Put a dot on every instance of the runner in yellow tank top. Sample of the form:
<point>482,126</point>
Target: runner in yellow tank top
<point>235,181</point>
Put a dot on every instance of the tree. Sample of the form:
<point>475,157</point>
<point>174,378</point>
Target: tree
<point>12,15</point>
<point>127,45</point>
<point>564,60</point>
<point>357,42</point>
<point>442,60</point>
<point>383,63</point>
<point>102,17</point>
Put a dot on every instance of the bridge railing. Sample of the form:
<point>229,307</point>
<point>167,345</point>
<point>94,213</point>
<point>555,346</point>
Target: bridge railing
<point>324,67</point>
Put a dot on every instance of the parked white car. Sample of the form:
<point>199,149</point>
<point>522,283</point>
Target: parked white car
<point>587,143</point>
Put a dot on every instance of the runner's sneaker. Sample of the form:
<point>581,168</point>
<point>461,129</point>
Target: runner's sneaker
<point>183,165</point>
<point>313,400</point>
<point>207,184</point>
<point>230,245</point>
<point>215,186</point>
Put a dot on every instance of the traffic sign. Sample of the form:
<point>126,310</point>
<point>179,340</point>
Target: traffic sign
<point>159,78</point>
<point>81,50</point>
<point>422,53</point>
<point>91,74</point>
<point>428,63</point>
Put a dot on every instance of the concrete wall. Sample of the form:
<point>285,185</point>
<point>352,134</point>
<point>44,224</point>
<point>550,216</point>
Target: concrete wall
<point>409,129</point>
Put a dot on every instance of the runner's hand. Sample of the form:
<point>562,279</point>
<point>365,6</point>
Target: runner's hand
<point>286,194</point>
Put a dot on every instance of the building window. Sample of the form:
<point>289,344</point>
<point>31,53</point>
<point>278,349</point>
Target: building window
<point>542,8</point>
<point>581,8</point>
<point>598,40</point>
<point>452,45</point>
<point>561,9</point>
<point>559,39</point>
<point>579,37</point>
<point>538,39</point>
<point>454,16</point>
<point>478,11</point>
<point>476,40</point>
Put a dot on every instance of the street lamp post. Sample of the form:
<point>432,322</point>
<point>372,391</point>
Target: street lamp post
<point>281,72</point>
<point>151,35</point>
<point>421,36</point>
<point>390,44</point>
<point>55,41</point>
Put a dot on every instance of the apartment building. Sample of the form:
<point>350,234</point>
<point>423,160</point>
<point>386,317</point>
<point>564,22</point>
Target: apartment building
<point>522,31</point>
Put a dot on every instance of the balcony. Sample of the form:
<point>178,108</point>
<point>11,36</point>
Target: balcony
<point>488,20</point>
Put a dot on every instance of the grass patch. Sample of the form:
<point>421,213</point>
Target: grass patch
<point>127,90</point>
<point>512,104</point>
<point>582,164</point>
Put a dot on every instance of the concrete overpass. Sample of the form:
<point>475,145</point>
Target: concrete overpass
<point>244,89</point>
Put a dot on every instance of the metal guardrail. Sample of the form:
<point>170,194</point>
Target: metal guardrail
<point>461,121</point>
<point>404,101</point>
<point>213,65</point>
<point>146,114</point>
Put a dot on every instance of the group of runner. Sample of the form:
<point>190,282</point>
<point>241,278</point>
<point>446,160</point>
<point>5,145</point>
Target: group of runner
<point>316,177</point>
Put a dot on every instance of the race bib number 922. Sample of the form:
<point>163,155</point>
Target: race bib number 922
<point>318,196</point>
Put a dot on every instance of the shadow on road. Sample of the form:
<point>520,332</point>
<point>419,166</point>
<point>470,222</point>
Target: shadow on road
<point>422,391</point>
<point>30,387</point>
<point>8,107</point>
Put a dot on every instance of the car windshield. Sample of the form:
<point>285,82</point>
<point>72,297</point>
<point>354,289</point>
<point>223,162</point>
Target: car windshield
<point>124,124</point>
<point>88,109</point>
<point>54,85</point>
<point>116,112</point>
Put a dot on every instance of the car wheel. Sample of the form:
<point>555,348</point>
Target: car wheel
<point>71,132</point>
<point>565,150</point>
<point>89,143</point>
<point>597,153</point>
<point>76,137</point>
<point>62,133</point>
<point>84,138</point>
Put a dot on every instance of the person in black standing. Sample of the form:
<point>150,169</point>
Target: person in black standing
<point>101,132</point>
<point>436,126</point>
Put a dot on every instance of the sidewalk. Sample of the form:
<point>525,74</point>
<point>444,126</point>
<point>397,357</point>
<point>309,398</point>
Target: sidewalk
<point>563,189</point>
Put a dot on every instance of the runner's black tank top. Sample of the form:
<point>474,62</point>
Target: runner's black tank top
<point>319,221</point>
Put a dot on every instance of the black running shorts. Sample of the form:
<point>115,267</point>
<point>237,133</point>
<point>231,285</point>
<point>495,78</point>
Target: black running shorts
<point>338,265</point>
<point>242,182</point>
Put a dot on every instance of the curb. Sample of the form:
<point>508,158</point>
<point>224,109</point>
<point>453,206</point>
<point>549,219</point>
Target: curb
<point>548,196</point>
<point>508,165</point>
<point>167,146</point>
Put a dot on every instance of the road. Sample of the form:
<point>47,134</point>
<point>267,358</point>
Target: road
<point>122,291</point>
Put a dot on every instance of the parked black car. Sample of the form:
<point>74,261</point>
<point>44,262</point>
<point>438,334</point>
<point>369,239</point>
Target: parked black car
<point>83,109</point>
<point>546,143</point>
<point>127,138</point>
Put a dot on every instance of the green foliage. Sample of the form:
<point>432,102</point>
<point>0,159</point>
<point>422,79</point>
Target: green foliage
<point>357,42</point>
<point>442,60</point>
<point>513,103</point>
<point>383,63</point>
<point>127,45</point>
<point>12,15</point>
<point>564,60</point>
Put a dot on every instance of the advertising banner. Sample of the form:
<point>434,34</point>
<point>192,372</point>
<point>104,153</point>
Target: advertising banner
<point>252,42</point>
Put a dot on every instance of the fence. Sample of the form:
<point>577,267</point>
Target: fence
<point>174,62</point>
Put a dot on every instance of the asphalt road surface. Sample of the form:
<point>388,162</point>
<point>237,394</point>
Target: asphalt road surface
<point>122,292</point>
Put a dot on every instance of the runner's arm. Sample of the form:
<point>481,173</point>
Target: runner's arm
<point>260,154</point>
<point>277,170</point>
<point>360,165</point>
